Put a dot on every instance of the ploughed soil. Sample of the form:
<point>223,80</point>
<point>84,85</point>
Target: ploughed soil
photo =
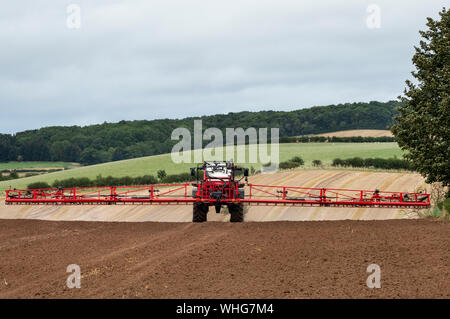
<point>326,259</point>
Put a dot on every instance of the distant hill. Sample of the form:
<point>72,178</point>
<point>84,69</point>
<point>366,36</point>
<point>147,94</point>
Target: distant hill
<point>131,139</point>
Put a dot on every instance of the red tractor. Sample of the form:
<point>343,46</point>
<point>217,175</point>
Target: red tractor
<point>218,187</point>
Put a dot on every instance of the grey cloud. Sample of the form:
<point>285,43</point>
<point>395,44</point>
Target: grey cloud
<point>157,59</point>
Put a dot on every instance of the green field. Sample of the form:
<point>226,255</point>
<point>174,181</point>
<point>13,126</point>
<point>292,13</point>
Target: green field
<point>325,152</point>
<point>35,165</point>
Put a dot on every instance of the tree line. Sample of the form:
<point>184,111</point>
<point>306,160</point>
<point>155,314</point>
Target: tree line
<point>383,163</point>
<point>131,139</point>
<point>101,181</point>
<point>337,139</point>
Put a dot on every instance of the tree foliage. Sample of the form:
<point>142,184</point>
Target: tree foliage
<point>294,162</point>
<point>423,125</point>
<point>382,163</point>
<point>130,139</point>
<point>317,163</point>
<point>161,174</point>
<point>101,181</point>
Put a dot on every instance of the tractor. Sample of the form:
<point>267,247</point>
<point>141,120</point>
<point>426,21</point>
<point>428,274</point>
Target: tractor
<point>218,187</point>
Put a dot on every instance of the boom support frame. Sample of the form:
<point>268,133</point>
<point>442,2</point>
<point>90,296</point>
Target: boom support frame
<point>181,194</point>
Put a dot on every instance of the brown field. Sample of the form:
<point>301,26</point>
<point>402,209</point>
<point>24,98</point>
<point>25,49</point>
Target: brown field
<point>405,182</point>
<point>363,133</point>
<point>327,259</point>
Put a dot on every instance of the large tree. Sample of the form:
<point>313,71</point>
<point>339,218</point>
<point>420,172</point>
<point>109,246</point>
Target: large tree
<point>423,124</point>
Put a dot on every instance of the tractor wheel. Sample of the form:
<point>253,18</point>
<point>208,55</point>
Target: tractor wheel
<point>236,213</point>
<point>200,212</point>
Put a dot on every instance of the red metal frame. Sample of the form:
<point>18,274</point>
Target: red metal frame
<point>177,194</point>
<point>228,188</point>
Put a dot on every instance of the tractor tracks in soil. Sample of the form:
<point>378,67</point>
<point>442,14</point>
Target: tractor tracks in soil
<point>223,260</point>
<point>167,250</point>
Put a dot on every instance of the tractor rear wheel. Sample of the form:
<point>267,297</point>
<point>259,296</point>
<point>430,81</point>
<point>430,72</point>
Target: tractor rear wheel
<point>236,213</point>
<point>200,212</point>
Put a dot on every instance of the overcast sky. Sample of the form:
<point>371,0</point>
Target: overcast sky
<point>175,58</point>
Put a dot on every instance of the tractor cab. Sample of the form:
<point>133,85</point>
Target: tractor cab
<point>218,172</point>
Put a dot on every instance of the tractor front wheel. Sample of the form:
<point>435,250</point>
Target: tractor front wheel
<point>200,212</point>
<point>236,213</point>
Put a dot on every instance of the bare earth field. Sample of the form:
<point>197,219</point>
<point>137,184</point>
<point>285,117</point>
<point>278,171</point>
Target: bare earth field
<point>405,182</point>
<point>326,259</point>
<point>363,133</point>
